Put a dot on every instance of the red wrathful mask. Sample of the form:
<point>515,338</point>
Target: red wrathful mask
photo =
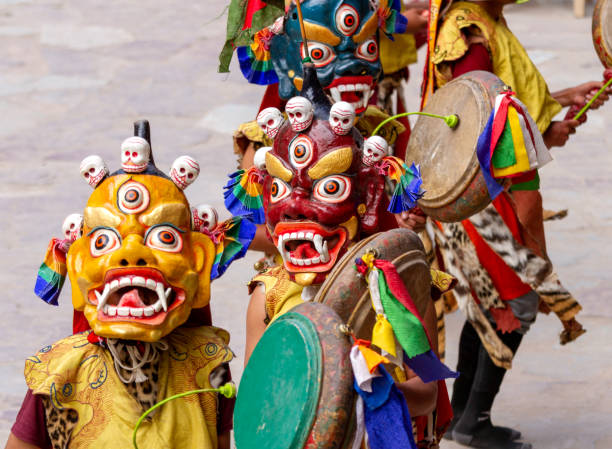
<point>319,197</point>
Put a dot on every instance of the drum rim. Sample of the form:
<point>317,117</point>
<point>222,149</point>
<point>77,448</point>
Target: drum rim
<point>476,85</point>
<point>598,27</point>
<point>339,267</point>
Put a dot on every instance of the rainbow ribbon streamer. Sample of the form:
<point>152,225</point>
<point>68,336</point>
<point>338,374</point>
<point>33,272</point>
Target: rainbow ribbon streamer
<point>510,145</point>
<point>406,324</point>
<point>243,195</point>
<point>52,273</point>
<point>232,238</point>
<point>391,21</point>
<point>255,60</point>
<point>408,183</point>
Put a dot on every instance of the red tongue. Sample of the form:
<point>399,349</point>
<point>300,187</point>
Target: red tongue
<point>351,96</point>
<point>304,251</point>
<point>131,299</point>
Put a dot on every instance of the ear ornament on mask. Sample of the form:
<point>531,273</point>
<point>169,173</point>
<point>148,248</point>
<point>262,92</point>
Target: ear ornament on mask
<point>52,272</point>
<point>232,239</point>
<point>249,32</point>
<point>255,60</point>
<point>243,194</point>
<point>408,183</point>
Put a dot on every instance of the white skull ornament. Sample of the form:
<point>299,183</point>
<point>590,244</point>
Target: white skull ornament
<point>72,228</point>
<point>184,171</point>
<point>374,149</point>
<point>270,121</point>
<point>278,26</point>
<point>342,117</point>
<point>204,217</point>
<point>135,154</point>
<point>259,159</point>
<point>300,112</point>
<point>93,169</point>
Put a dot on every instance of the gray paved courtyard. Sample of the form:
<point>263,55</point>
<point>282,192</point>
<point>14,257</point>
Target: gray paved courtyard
<point>75,74</point>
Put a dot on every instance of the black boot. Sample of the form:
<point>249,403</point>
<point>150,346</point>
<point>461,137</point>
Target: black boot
<point>474,427</point>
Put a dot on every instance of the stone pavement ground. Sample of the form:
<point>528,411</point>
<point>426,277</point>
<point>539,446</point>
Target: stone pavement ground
<point>75,74</point>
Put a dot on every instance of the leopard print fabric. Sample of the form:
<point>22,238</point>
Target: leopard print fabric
<point>144,392</point>
<point>60,423</point>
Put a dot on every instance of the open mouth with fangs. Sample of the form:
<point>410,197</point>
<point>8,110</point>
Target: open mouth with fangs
<point>307,247</point>
<point>135,294</point>
<point>356,90</point>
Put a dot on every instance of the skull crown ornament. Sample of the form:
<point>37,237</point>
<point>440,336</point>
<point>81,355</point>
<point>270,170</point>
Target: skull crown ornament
<point>374,150</point>
<point>316,185</point>
<point>135,153</point>
<point>270,121</point>
<point>342,117</point>
<point>93,169</point>
<point>139,261</point>
<point>184,171</point>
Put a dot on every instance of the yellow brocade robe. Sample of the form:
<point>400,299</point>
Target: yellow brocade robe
<point>467,23</point>
<point>78,375</point>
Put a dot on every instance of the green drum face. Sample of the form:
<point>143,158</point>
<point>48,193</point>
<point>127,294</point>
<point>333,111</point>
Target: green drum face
<point>296,391</point>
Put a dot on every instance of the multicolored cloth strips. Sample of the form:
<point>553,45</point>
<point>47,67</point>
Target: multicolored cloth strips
<point>510,145</point>
<point>244,19</point>
<point>232,239</point>
<point>243,195</point>
<point>392,302</point>
<point>52,273</point>
<point>390,19</point>
<point>408,183</point>
<point>255,60</point>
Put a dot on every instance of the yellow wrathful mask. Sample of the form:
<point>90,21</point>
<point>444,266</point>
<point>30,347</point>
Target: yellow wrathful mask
<point>139,258</point>
<point>139,269</point>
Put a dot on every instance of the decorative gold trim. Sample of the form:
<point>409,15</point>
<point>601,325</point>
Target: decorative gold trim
<point>338,161</point>
<point>319,33</point>
<point>275,167</point>
<point>175,213</point>
<point>100,216</point>
<point>367,30</point>
<point>351,225</point>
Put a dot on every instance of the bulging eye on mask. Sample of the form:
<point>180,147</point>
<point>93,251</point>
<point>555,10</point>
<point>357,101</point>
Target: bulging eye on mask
<point>343,46</point>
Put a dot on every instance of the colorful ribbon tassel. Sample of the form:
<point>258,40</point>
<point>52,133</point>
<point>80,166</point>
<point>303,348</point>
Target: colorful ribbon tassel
<point>386,415</point>
<point>510,145</point>
<point>408,183</point>
<point>391,299</point>
<point>245,18</point>
<point>243,194</point>
<point>232,238</point>
<point>255,61</point>
<point>52,273</point>
<point>390,19</point>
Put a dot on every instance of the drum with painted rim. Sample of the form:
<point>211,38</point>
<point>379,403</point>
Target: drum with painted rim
<point>297,389</point>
